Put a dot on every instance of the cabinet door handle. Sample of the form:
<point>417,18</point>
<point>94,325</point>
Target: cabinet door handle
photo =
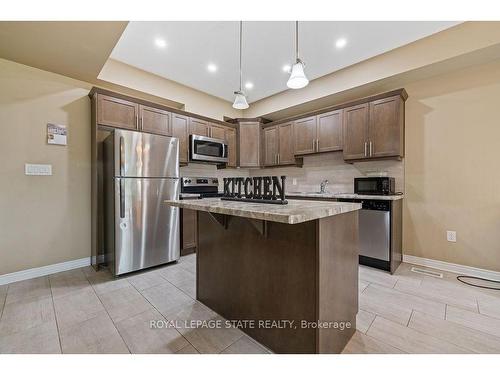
<point>317,145</point>
<point>365,148</point>
<point>278,158</point>
<point>314,145</point>
<point>371,148</point>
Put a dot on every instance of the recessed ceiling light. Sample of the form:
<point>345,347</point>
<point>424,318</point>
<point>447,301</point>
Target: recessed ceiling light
<point>287,68</point>
<point>212,68</point>
<point>160,43</point>
<point>249,85</point>
<point>341,42</point>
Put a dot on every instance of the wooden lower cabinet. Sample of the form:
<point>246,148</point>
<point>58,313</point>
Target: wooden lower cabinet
<point>189,230</point>
<point>180,130</point>
<point>154,120</point>
<point>117,113</point>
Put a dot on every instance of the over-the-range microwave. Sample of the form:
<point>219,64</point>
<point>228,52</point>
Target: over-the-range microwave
<point>206,149</point>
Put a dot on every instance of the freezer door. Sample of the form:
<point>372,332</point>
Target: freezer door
<point>145,155</point>
<point>147,231</point>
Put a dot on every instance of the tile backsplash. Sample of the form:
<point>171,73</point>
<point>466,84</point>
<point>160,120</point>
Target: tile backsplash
<point>328,166</point>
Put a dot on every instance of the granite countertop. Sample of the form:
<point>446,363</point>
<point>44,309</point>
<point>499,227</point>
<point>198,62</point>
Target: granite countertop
<point>327,195</point>
<point>296,211</point>
<point>189,195</point>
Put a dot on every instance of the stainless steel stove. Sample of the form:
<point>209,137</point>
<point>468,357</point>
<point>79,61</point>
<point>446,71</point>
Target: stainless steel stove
<point>206,187</point>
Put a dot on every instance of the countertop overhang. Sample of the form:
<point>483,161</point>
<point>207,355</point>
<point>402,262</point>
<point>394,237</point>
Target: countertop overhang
<point>327,195</point>
<point>295,212</point>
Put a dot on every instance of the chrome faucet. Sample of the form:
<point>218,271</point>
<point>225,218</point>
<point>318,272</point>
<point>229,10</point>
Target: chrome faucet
<point>322,186</point>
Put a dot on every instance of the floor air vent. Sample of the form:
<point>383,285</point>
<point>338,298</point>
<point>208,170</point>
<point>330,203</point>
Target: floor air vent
<point>427,272</point>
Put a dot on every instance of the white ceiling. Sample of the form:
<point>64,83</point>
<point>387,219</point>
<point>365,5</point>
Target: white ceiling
<point>267,47</point>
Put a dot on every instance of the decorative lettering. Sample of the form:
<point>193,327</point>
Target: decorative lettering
<point>257,189</point>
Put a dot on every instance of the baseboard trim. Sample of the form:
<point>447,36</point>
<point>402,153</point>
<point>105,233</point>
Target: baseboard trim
<point>43,271</point>
<point>452,267</point>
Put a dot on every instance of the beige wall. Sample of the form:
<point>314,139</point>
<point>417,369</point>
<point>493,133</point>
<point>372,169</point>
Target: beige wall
<point>194,101</point>
<point>452,167</point>
<point>46,220</point>
<point>43,220</point>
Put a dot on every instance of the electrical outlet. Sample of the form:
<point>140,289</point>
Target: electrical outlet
<point>294,181</point>
<point>451,236</point>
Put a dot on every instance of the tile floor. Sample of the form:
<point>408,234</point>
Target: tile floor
<point>81,311</point>
<point>413,313</point>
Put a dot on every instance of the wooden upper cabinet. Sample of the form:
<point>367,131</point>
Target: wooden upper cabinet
<point>154,120</point>
<point>198,127</point>
<point>180,129</point>
<point>285,144</point>
<point>249,144</point>
<point>270,143</point>
<point>386,127</point>
<point>117,113</point>
<point>230,137</point>
<point>329,131</point>
<point>355,129</point>
<point>217,131</point>
<point>304,133</point>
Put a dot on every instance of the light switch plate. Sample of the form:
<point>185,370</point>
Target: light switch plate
<point>38,169</point>
<point>451,236</point>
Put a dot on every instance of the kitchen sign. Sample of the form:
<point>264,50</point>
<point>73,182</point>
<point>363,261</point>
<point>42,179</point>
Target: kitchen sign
<point>269,189</point>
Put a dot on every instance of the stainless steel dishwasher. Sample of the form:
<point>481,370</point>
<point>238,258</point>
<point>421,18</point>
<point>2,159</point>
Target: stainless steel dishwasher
<point>374,232</point>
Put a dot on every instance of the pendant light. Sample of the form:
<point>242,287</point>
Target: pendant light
<point>240,101</point>
<point>297,78</point>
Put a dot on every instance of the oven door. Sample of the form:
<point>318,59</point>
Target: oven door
<point>207,149</point>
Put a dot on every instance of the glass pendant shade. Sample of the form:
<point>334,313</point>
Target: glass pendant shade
<point>240,101</point>
<point>297,78</point>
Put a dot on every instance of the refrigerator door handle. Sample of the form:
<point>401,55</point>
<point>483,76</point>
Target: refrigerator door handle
<point>122,198</point>
<point>122,157</point>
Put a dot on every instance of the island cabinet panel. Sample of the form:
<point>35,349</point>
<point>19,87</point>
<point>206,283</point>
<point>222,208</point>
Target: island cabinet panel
<point>249,144</point>
<point>154,120</point>
<point>305,272</point>
<point>189,230</point>
<point>230,137</point>
<point>355,129</point>
<point>304,131</point>
<point>216,131</point>
<point>199,127</point>
<point>180,130</point>
<point>285,144</point>
<point>117,113</point>
<point>270,142</point>
<point>329,132</point>
<point>385,132</point>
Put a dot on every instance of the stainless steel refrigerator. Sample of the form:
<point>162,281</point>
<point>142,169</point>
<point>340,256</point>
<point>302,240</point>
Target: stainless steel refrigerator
<point>141,171</point>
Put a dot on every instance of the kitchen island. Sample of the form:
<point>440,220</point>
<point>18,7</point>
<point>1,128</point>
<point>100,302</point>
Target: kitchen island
<point>286,274</point>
